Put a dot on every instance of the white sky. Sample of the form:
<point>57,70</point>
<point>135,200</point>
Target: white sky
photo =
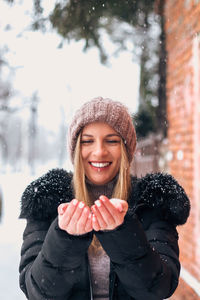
<point>64,77</point>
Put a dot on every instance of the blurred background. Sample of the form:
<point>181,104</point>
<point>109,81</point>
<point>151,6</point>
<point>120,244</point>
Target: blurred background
<point>56,55</point>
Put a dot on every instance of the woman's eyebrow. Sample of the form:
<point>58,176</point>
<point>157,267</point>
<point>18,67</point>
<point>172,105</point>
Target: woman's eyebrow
<point>88,135</point>
<point>108,135</point>
<point>113,134</point>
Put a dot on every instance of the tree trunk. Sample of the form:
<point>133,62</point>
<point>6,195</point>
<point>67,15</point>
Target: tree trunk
<point>161,110</point>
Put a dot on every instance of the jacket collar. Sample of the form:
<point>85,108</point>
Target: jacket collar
<point>157,191</point>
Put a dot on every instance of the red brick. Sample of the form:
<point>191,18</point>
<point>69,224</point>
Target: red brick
<point>182,23</point>
<point>184,292</point>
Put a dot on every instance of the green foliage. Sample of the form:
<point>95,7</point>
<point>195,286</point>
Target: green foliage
<point>144,122</point>
<point>80,18</point>
<point>87,20</point>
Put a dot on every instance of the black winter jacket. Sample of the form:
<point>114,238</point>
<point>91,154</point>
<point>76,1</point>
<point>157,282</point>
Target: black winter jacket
<point>143,251</point>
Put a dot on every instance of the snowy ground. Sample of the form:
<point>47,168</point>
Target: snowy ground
<point>11,230</point>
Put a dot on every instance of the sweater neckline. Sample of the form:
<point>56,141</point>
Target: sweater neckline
<point>106,189</point>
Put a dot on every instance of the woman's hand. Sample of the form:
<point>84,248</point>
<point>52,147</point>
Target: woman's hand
<point>108,214</point>
<point>74,217</point>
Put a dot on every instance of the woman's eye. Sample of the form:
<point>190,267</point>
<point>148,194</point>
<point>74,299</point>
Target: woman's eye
<point>113,141</point>
<point>86,142</point>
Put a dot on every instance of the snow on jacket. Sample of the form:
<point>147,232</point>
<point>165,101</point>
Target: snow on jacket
<point>143,251</point>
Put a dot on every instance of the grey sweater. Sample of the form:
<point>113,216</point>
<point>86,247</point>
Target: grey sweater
<point>99,261</point>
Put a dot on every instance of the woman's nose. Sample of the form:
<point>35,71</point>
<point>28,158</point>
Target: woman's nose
<point>100,149</point>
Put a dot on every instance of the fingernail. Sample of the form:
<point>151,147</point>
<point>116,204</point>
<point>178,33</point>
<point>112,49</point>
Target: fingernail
<point>75,201</point>
<point>120,208</point>
<point>85,210</point>
<point>90,215</point>
<point>98,203</point>
<point>103,198</point>
<point>81,204</point>
<point>61,210</point>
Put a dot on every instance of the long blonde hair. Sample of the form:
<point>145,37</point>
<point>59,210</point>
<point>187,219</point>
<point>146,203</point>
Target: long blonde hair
<point>121,190</point>
<point>122,187</point>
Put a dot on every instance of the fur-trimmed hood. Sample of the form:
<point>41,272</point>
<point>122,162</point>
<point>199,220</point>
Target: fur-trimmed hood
<point>158,191</point>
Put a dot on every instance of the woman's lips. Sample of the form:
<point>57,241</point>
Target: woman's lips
<point>100,166</point>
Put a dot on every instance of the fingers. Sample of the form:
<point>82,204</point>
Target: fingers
<point>113,204</point>
<point>104,217</point>
<point>88,225</point>
<point>95,223</point>
<point>121,205</point>
<point>73,217</point>
<point>83,220</point>
<point>66,213</point>
<point>98,220</point>
<point>77,213</point>
<point>109,212</point>
<point>62,207</point>
<point>117,205</point>
<point>77,218</point>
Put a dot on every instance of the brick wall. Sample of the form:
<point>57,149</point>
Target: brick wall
<point>182,29</point>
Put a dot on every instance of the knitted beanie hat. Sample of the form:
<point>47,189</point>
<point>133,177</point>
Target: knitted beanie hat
<point>107,111</point>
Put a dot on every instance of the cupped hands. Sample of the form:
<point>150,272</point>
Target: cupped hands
<point>77,218</point>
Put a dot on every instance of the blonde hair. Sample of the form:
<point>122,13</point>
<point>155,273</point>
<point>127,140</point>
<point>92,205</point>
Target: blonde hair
<point>122,187</point>
<point>121,190</point>
<point>80,189</point>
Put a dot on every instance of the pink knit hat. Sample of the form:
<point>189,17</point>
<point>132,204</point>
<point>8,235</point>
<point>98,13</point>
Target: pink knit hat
<point>108,111</point>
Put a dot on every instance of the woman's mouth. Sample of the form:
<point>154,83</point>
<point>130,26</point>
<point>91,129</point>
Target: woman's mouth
<point>100,166</point>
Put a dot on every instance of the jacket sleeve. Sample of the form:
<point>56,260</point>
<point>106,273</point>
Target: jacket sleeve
<point>50,260</point>
<point>145,261</point>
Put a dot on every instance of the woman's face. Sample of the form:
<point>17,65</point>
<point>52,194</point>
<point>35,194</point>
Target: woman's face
<point>101,152</point>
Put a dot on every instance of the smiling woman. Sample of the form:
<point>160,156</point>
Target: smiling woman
<point>101,152</point>
<point>100,233</point>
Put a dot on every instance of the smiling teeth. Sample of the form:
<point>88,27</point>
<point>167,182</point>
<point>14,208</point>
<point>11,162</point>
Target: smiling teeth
<point>100,165</point>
